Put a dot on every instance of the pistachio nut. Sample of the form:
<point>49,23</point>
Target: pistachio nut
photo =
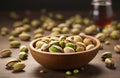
<point>39,30</point>
<point>55,49</point>
<point>54,38</point>
<point>77,39</point>
<point>101,36</point>
<point>61,25</point>
<point>59,16</point>
<point>75,31</point>
<point>90,46</point>
<point>45,47</point>
<point>56,30</point>
<point>4,31</point>
<point>39,44</point>
<point>109,63</point>
<point>87,41</point>
<point>11,62</point>
<point>62,37</point>
<point>20,29</point>
<point>70,45</point>
<point>11,38</point>
<point>80,44</point>
<point>117,48</point>
<point>15,33</point>
<point>5,53</point>
<point>15,44</point>
<point>86,21</point>
<point>26,27</point>
<point>115,34</point>
<point>24,36</point>
<point>77,26</point>
<point>25,20</point>
<point>36,36</point>
<point>65,30</point>
<point>62,43</point>
<point>80,48</point>
<point>76,71</point>
<point>18,66</point>
<point>35,23</point>
<point>17,24</point>
<point>68,73</point>
<point>54,43</point>
<point>14,15</point>
<point>90,30</point>
<point>69,50</point>
<point>106,55</point>
<point>46,39</point>
<point>23,48</point>
<point>107,42</point>
<point>23,55</point>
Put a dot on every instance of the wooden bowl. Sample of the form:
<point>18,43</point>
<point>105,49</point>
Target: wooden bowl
<point>64,60</point>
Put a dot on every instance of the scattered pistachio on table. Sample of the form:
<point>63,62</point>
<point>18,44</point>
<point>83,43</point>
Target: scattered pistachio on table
<point>24,36</point>
<point>109,63</point>
<point>106,55</point>
<point>92,29</point>
<point>17,24</point>
<point>26,27</point>
<point>15,44</point>
<point>107,42</point>
<point>11,38</point>
<point>115,34</point>
<point>10,63</point>
<point>117,48</point>
<point>4,31</point>
<point>18,66</point>
<point>101,36</point>
<point>14,15</point>
<point>5,53</point>
<point>23,55</point>
<point>23,48</point>
<point>35,23</point>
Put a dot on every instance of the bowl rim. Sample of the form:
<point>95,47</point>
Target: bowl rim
<point>44,52</point>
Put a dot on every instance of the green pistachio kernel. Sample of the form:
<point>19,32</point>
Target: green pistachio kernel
<point>70,45</point>
<point>106,55</point>
<point>15,44</point>
<point>23,48</point>
<point>62,44</point>
<point>18,66</point>
<point>68,73</point>
<point>55,49</point>
<point>75,71</point>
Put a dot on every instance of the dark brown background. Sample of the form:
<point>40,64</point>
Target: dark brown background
<point>50,4</point>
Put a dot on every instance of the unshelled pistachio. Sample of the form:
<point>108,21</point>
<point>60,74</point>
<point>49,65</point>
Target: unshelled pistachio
<point>5,53</point>
<point>18,66</point>
<point>15,44</point>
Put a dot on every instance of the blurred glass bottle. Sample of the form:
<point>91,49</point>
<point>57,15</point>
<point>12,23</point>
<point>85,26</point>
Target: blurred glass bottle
<point>102,13</point>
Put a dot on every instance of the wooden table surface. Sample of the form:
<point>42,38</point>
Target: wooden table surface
<point>95,69</point>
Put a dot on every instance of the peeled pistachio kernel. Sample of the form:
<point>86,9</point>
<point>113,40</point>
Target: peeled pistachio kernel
<point>90,46</point>
<point>55,49</point>
<point>77,39</point>
<point>35,23</point>
<point>70,45</point>
<point>75,71</point>
<point>65,30</point>
<point>11,62</point>
<point>39,30</point>
<point>87,41</point>
<point>115,34</point>
<point>23,55</point>
<point>15,44</point>
<point>117,48</point>
<point>109,63</point>
<point>18,66</point>
<point>75,31</point>
<point>39,44</point>
<point>106,55</point>
<point>62,43</point>
<point>11,38</point>
<point>68,73</point>
<point>5,53</point>
<point>24,36</point>
<point>23,48</point>
<point>69,50</point>
<point>107,42</point>
<point>101,36</point>
<point>26,27</point>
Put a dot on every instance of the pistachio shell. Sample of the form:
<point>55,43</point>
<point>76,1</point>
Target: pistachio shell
<point>69,50</point>
<point>36,36</point>
<point>106,55</point>
<point>11,62</point>
<point>109,62</point>
<point>70,45</point>
<point>24,36</point>
<point>101,36</point>
<point>44,47</point>
<point>35,23</point>
<point>5,53</point>
<point>23,55</point>
<point>117,48</point>
<point>87,41</point>
<point>90,46</point>
<point>77,39</point>
<point>55,48</point>
<point>18,66</point>
<point>39,44</point>
<point>24,48</point>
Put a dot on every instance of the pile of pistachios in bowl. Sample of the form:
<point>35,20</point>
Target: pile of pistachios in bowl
<point>64,44</point>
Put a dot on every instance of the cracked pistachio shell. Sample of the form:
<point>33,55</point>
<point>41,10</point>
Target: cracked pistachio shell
<point>90,46</point>
<point>80,48</point>
<point>106,55</point>
<point>62,43</point>
<point>90,30</point>
<point>117,48</point>
<point>36,36</point>
<point>24,36</point>
<point>46,39</point>
<point>39,44</point>
<point>54,43</point>
<point>62,37</point>
<point>55,49</point>
<point>15,33</point>
<point>11,62</point>
<point>18,66</point>
<point>5,53</point>
<point>101,36</point>
<point>77,39</point>
<point>45,47</point>
<point>87,41</point>
<point>23,55</point>
<point>69,50</point>
<point>80,44</point>
<point>15,44</point>
<point>17,24</point>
